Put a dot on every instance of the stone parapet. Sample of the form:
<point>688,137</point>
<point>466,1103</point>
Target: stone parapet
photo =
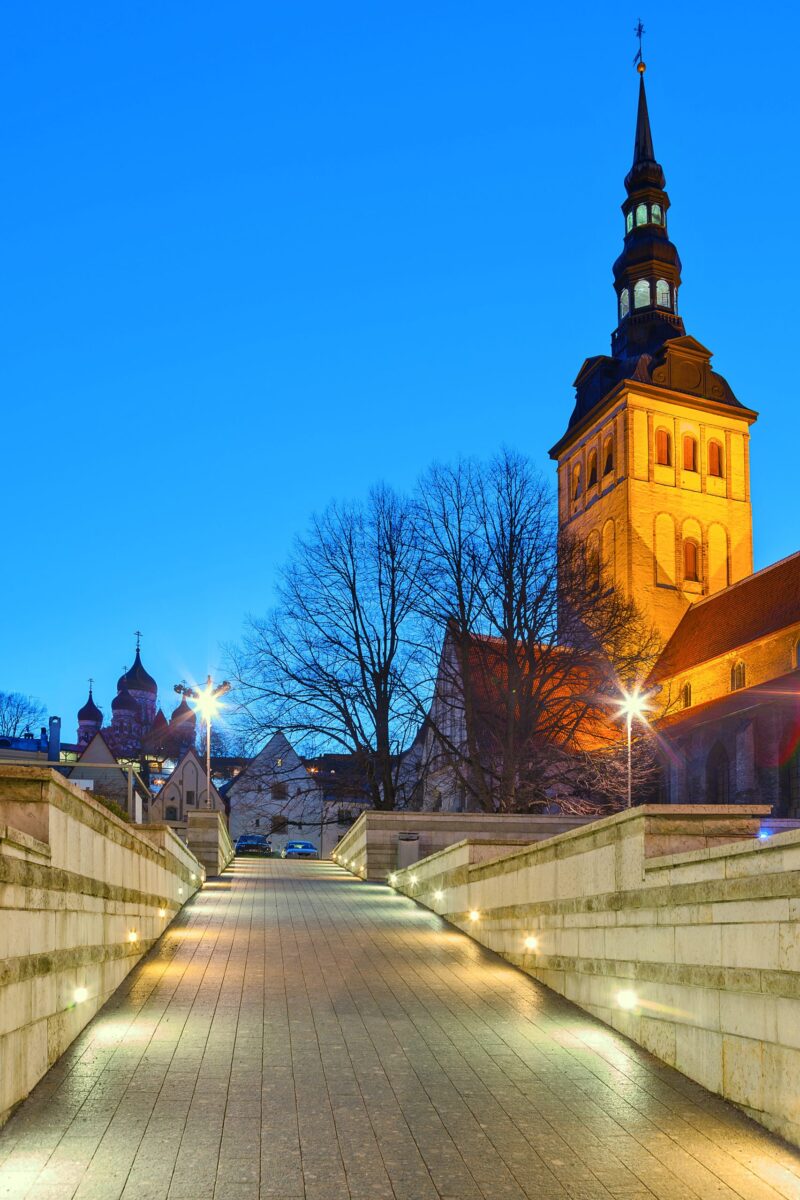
<point>83,895</point>
<point>370,847</point>
<point>208,839</point>
<point>679,926</point>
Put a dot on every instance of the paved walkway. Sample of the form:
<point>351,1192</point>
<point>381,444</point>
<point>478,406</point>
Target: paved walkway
<point>298,1033</point>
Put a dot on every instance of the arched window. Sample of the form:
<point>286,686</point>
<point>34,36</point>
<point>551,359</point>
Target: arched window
<point>686,695</point>
<point>663,448</point>
<point>662,294</point>
<point>737,677</point>
<point>592,477</point>
<point>717,775</point>
<point>689,453</point>
<point>656,215</point>
<point>593,567</point>
<point>641,293</point>
<point>715,459</point>
<point>608,456</point>
<point>171,813</point>
<point>641,214</point>
<point>629,222</point>
<point>624,303</point>
<point>576,481</point>
<point>691,561</point>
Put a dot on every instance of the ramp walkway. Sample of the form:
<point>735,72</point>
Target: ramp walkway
<point>299,1034</point>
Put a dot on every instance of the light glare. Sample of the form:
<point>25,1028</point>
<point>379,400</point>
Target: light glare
<point>438,895</point>
<point>81,994</point>
<point>474,915</point>
<point>133,936</point>
<point>531,943</point>
<point>627,999</point>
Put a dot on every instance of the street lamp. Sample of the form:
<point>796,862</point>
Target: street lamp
<point>206,701</point>
<point>633,704</point>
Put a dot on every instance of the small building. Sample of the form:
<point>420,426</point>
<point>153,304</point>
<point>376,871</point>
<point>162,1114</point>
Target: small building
<point>290,798</point>
<point>184,791</point>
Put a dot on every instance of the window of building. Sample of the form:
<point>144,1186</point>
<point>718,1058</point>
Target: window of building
<point>641,214</point>
<point>717,775</point>
<point>576,481</point>
<point>629,222</point>
<point>592,480</point>
<point>279,823</point>
<point>190,797</point>
<point>257,822</point>
<point>715,459</point>
<point>662,294</point>
<point>171,813</point>
<point>593,570</point>
<point>278,762</point>
<point>656,215</point>
<point>686,695</point>
<point>663,448</point>
<point>641,293</point>
<point>689,453</point>
<point>691,561</point>
<point>608,456</point>
<point>737,676</point>
<point>279,791</point>
<point>624,303</point>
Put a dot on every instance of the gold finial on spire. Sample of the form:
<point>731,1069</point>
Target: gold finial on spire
<point>638,61</point>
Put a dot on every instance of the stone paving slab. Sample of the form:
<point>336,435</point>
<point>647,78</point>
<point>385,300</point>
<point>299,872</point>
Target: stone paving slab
<point>300,1035</point>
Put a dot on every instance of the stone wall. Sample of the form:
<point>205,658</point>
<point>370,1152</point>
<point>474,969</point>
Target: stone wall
<point>208,838</point>
<point>370,847</point>
<point>83,895</point>
<point>676,925</point>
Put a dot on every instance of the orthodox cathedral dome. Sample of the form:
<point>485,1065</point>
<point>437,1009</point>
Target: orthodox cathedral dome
<point>90,713</point>
<point>124,702</point>
<point>137,679</point>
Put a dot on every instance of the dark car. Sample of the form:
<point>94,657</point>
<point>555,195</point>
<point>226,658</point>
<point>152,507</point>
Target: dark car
<point>299,850</point>
<point>253,843</point>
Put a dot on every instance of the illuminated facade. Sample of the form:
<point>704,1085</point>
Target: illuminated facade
<point>654,479</point>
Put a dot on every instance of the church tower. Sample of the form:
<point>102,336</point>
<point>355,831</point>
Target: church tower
<point>653,471</point>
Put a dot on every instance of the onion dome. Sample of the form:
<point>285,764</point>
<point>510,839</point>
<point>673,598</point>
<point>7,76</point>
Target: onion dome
<point>90,714</point>
<point>184,712</point>
<point>124,702</point>
<point>137,679</point>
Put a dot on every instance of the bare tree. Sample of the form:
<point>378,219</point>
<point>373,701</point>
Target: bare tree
<point>18,713</point>
<point>538,644</point>
<point>332,663</point>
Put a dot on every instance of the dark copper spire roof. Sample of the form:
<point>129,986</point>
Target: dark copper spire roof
<point>90,713</point>
<point>124,700</point>
<point>137,679</point>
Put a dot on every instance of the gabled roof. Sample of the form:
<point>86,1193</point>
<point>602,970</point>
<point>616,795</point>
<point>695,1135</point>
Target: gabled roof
<point>782,691</point>
<point>190,755</point>
<point>763,603</point>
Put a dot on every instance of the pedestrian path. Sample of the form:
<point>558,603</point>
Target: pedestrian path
<point>298,1033</point>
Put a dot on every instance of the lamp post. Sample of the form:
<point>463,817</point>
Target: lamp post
<point>633,704</point>
<point>207,703</point>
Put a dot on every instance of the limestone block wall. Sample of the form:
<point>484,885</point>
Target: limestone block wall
<point>676,925</point>
<point>208,839</point>
<point>370,846</point>
<point>83,895</point>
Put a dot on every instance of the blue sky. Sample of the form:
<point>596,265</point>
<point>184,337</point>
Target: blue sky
<point>259,255</point>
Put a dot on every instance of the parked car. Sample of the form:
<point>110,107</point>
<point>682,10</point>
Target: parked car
<point>253,843</point>
<point>299,850</point>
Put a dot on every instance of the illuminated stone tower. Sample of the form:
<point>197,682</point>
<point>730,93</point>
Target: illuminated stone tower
<point>653,471</point>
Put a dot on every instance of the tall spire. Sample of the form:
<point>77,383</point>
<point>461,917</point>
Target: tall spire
<point>647,274</point>
<point>643,143</point>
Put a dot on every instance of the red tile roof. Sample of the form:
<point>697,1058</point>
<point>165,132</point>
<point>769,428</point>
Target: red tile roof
<point>756,606</point>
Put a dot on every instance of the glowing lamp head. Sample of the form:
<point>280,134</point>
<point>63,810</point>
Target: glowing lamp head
<point>627,1000</point>
<point>474,915</point>
<point>634,705</point>
<point>438,895</point>
<point>392,880</point>
<point>162,912</point>
<point>81,994</point>
<point>413,880</point>
<point>180,891</point>
<point>133,936</point>
<point>207,702</point>
<point>531,942</point>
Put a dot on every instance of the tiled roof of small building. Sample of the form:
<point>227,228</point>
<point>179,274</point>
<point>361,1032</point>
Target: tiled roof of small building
<point>756,606</point>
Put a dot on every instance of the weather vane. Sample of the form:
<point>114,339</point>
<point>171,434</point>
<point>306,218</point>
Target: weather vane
<point>639,31</point>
